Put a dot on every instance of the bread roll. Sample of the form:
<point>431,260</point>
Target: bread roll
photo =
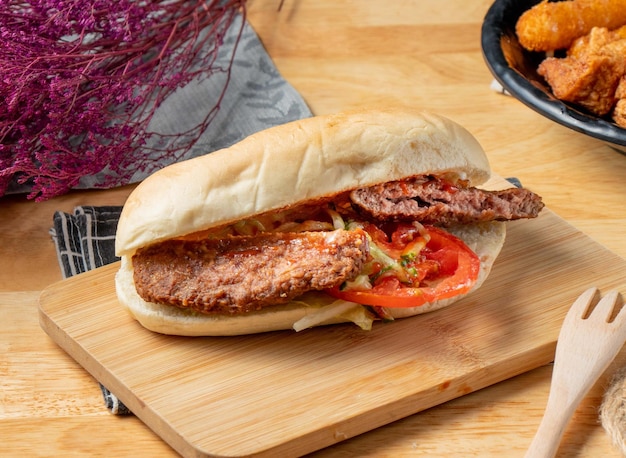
<point>282,167</point>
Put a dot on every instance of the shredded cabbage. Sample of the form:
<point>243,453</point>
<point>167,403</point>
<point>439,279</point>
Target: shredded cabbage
<point>308,225</point>
<point>353,225</point>
<point>389,265</point>
<point>248,227</point>
<point>338,222</point>
<point>361,282</point>
<point>348,311</point>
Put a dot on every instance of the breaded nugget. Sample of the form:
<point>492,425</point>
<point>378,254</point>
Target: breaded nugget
<point>590,83</point>
<point>549,26</point>
<point>592,43</point>
<point>619,112</point>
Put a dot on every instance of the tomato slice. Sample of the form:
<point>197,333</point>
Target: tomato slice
<point>444,268</point>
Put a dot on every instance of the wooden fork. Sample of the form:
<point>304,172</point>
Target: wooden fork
<point>589,340</point>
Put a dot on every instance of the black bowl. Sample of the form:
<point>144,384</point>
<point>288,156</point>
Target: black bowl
<point>516,70</point>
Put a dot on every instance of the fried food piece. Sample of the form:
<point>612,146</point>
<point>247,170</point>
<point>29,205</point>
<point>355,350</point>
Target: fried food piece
<point>215,275</point>
<point>600,41</point>
<point>592,43</point>
<point>619,112</point>
<point>549,26</point>
<point>590,73</point>
<point>590,83</point>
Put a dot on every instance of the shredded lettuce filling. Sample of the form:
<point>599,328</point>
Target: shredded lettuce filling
<point>337,310</point>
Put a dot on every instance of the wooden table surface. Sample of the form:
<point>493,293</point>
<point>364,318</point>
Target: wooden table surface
<point>339,54</point>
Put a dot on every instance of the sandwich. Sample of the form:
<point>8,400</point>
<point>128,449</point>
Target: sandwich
<point>363,217</point>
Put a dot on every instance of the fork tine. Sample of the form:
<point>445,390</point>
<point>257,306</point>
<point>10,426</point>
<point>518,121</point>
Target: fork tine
<point>604,310</point>
<point>580,307</point>
<point>617,305</point>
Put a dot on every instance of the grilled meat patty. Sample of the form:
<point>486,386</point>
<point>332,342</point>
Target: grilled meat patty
<point>433,201</point>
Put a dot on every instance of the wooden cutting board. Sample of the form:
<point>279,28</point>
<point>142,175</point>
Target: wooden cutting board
<point>287,393</point>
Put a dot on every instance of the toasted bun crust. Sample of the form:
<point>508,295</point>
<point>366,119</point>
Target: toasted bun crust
<point>298,161</point>
<point>485,240</point>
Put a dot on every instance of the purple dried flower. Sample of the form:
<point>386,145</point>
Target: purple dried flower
<point>81,79</point>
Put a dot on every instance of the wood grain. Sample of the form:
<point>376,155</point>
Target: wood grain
<point>420,53</point>
<point>290,394</point>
